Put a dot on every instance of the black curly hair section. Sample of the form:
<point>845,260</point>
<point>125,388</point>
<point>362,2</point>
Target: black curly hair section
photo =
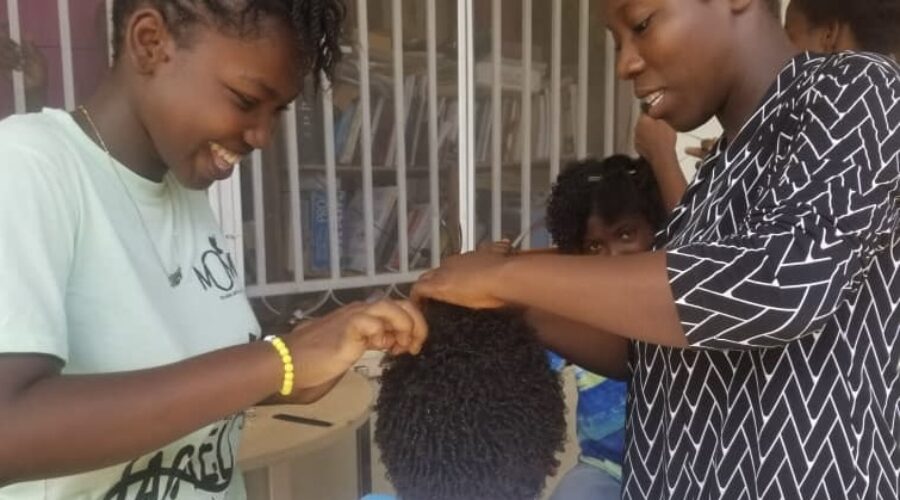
<point>610,188</point>
<point>477,415</point>
<point>875,23</point>
<point>318,24</point>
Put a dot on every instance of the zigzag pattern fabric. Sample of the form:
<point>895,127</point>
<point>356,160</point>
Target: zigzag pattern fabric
<point>784,260</point>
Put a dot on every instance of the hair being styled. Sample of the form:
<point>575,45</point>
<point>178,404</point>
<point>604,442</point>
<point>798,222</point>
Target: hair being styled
<point>317,23</point>
<point>610,188</point>
<point>875,23</point>
<point>478,415</point>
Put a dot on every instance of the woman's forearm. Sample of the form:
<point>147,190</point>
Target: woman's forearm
<point>628,296</point>
<point>596,351</point>
<point>63,424</point>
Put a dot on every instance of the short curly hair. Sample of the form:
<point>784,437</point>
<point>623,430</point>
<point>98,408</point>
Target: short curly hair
<point>478,415</point>
<point>318,23</point>
<point>875,23</point>
<point>610,188</point>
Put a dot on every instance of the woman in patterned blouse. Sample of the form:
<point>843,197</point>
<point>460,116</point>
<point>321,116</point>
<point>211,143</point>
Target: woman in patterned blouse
<point>763,329</point>
<point>821,26</point>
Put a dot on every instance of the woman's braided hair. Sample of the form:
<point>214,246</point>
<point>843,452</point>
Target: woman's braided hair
<point>478,415</point>
<point>317,23</point>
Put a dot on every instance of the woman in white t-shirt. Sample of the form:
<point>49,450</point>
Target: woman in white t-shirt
<point>125,339</point>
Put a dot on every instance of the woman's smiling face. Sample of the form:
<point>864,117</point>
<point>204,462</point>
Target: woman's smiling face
<point>676,53</point>
<point>218,97</point>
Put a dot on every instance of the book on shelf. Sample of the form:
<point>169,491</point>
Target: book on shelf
<point>350,137</point>
<point>418,237</point>
<point>384,215</point>
<point>315,229</point>
<point>511,125</point>
<point>512,74</point>
<point>310,128</point>
<point>348,114</point>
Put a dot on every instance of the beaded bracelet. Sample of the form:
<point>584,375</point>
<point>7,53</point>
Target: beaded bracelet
<point>287,386</point>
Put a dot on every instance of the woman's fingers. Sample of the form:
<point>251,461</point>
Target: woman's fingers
<point>395,325</point>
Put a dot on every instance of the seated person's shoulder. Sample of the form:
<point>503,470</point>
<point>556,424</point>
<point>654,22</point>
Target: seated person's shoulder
<point>37,143</point>
<point>33,128</point>
<point>863,68</point>
<point>830,86</point>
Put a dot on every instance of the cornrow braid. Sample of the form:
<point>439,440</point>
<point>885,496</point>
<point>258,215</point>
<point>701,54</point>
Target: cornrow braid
<point>318,24</point>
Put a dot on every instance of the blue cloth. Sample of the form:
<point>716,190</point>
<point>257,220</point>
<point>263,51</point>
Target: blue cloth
<point>600,417</point>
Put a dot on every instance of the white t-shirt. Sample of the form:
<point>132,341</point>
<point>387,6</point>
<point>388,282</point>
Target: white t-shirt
<point>80,280</point>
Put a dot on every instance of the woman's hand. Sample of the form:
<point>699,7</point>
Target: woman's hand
<point>702,151</point>
<point>466,280</point>
<point>502,247</point>
<point>655,141</point>
<point>325,348</point>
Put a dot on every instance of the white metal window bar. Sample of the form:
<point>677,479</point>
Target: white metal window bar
<point>334,243</point>
<point>555,97</point>
<point>366,103</point>
<point>293,157</point>
<point>65,45</point>
<point>433,175</point>
<point>110,38</point>
<point>582,111</point>
<point>465,72</point>
<point>259,218</point>
<point>609,89</point>
<point>525,128</point>
<point>15,34</point>
<point>496,111</point>
<point>400,127</point>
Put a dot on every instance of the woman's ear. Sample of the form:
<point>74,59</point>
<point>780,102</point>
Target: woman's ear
<point>829,35</point>
<point>147,40</point>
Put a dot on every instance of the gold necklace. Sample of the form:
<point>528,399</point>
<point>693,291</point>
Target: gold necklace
<point>175,276</point>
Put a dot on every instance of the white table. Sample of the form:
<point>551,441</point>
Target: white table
<point>272,443</point>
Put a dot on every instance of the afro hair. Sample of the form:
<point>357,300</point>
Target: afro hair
<point>610,188</point>
<point>477,415</point>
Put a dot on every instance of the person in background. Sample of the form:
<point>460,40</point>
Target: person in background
<point>601,207</point>
<point>821,26</point>
<point>39,54</point>
<point>27,58</point>
<point>828,26</point>
<point>128,348</point>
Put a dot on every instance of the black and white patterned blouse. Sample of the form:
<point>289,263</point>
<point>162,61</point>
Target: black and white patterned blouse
<point>784,260</point>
